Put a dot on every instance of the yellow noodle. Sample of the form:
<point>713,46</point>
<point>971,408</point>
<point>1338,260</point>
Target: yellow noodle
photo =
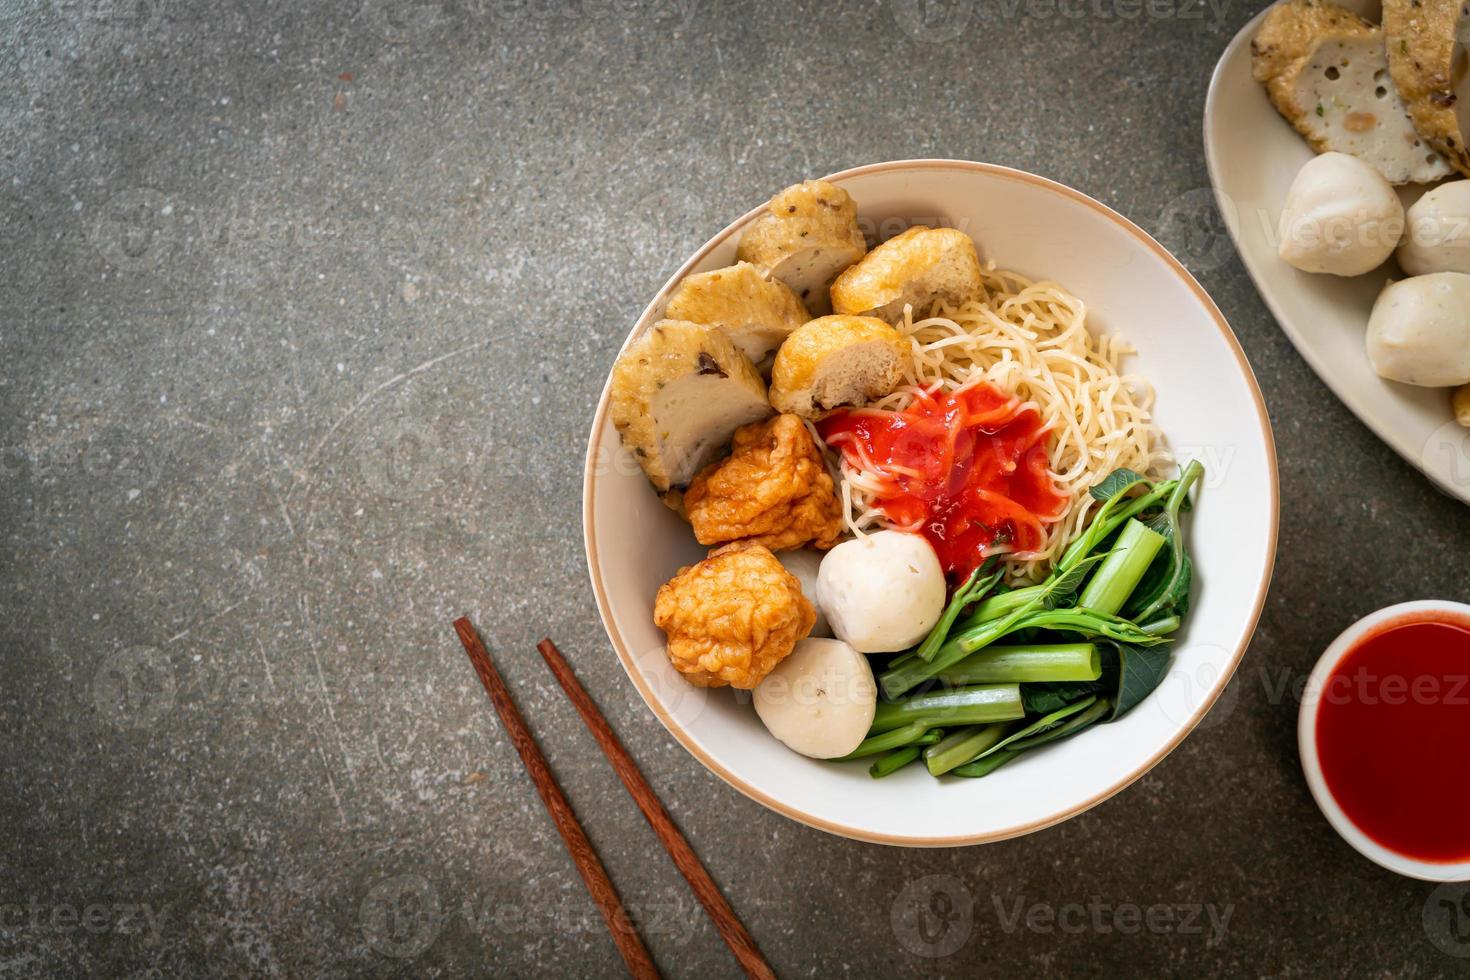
<point>1030,338</point>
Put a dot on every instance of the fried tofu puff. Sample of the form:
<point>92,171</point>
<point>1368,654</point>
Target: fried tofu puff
<point>912,269</point>
<point>732,618</point>
<point>838,361</point>
<point>773,490</point>
<point>755,312</point>
<point>807,235</point>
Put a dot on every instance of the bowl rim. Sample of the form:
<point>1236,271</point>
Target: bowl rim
<point>1419,610</point>
<point>858,833</point>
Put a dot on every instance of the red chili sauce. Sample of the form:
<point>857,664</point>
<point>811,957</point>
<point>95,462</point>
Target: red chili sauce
<point>1393,729</point>
<point>961,468</point>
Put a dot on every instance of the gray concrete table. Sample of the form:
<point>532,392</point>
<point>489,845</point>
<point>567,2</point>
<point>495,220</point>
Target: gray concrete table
<point>305,311</point>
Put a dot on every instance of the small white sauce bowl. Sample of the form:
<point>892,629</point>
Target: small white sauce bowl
<point>1306,736</point>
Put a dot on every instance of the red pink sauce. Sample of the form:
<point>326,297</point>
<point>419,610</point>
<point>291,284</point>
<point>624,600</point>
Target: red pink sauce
<point>962,468</point>
<point>1393,734</point>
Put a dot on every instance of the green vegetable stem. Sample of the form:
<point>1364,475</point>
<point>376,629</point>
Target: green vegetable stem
<point>981,581</point>
<point>892,762</point>
<point>1027,664</point>
<point>940,709</point>
<point>959,747</point>
<point>914,733</point>
<point>1123,568</point>
<point>1120,589</point>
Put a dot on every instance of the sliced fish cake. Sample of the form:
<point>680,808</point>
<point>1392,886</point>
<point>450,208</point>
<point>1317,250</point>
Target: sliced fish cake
<point>807,235</point>
<point>1428,63</point>
<point>678,394</point>
<point>1326,70</point>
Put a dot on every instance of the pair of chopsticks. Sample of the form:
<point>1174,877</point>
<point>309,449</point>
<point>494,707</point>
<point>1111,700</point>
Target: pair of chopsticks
<point>624,933</point>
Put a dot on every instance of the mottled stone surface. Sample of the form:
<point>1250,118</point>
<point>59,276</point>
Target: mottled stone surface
<point>306,307</point>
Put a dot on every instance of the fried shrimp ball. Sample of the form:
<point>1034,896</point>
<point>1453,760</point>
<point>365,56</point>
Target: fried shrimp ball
<point>732,618</point>
<point>773,490</point>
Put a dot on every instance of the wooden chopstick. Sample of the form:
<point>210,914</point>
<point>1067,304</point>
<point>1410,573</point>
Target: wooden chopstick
<point>705,889</point>
<point>635,954</point>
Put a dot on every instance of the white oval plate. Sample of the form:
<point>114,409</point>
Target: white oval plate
<point>1208,405</point>
<point>1253,154</point>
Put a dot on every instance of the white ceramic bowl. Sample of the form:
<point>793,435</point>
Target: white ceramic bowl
<point>1209,406</point>
<point>1306,738</point>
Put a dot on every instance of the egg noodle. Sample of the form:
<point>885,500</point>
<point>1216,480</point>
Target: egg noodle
<point>1029,338</point>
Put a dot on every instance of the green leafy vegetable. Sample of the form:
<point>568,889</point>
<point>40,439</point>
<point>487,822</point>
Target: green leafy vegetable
<point>1042,699</point>
<point>907,676</point>
<point>1060,587</point>
<point>1089,623</point>
<point>984,766</point>
<point>1123,568</point>
<point>1161,627</point>
<point>959,747</point>
<point>1071,726</point>
<point>1122,586</point>
<point>1027,664</point>
<point>1132,673</point>
<point>1166,589</point>
<point>917,733</point>
<point>961,706</point>
<point>1116,509</point>
<point>1000,604</point>
<point>1059,590</point>
<point>1042,724</point>
<point>1119,481</point>
<point>981,581</point>
<point>892,762</point>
